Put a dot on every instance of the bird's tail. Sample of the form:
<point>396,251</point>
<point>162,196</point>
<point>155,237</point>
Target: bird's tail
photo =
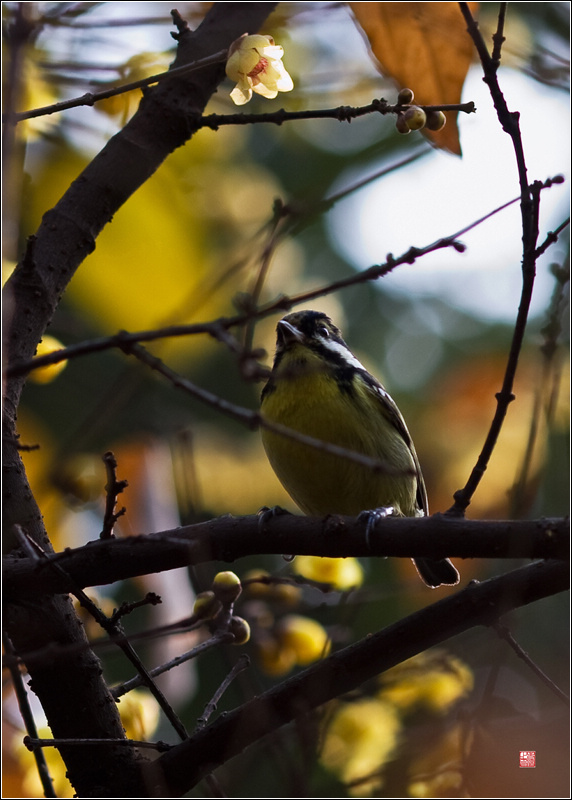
<point>436,572</point>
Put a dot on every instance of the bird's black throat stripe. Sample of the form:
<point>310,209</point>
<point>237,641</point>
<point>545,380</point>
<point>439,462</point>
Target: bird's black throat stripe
<point>343,373</point>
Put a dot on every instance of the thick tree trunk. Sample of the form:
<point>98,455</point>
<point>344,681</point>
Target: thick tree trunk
<point>72,690</point>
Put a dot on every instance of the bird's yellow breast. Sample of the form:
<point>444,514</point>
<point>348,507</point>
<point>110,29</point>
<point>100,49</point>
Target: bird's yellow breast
<point>307,397</point>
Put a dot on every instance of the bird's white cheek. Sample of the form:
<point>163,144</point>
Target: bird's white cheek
<point>342,351</point>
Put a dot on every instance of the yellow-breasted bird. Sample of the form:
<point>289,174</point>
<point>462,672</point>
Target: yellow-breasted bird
<point>319,388</point>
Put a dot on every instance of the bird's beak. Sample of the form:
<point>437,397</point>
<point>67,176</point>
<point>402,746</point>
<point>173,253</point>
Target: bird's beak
<point>288,333</point>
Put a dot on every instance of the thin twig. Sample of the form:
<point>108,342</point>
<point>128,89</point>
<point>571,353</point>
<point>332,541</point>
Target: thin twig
<point>339,113</point>
<point>115,631</point>
<point>551,332</point>
<point>253,419</point>
<point>28,719</point>
<point>530,201</point>
<point>242,664</point>
<point>507,636</point>
<point>113,488</point>
<point>216,640</point>
<point>52,651</point>
<point>282,304</point>
<point>551,237</point>
<point>150,598</point>
<point>90,98</point>
<point>265,261</point>
<point>498,36</point>
<point>36,745</point>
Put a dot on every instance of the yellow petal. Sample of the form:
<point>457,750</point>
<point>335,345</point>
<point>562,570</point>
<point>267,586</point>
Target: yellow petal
<point>273,52</point>
<point>239,96</point>
<point>265,91</point>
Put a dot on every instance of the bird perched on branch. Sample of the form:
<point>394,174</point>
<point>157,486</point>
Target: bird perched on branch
<point>319,388</point>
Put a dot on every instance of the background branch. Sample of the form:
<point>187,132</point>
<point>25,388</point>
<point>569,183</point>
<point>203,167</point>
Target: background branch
<point>283,303</point>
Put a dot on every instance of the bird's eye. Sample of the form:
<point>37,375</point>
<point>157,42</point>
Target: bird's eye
<point>323,331</point>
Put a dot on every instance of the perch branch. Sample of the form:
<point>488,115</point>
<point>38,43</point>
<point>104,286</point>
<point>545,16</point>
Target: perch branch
<point>230,538</point>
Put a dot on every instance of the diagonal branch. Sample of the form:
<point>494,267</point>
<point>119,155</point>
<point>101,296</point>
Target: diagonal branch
<point>214,327</point>
<point>177,771</point>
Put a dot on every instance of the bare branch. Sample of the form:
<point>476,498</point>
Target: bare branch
<point>498,36</point>
<point>340,113</point>
<point>231,538</point>
<point>507,636</point>
<point>91,98</point>
<point>530,202</point>
<point>242,664</point>
<point>114,630</point>
<point>214,328</point>
<point>36,745</point>
<point>113,488</point>
<point>221,637</point>
<point>28,718</point>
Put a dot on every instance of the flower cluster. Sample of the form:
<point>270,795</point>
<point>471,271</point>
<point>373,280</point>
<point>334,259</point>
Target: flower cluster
<point>413,118</point>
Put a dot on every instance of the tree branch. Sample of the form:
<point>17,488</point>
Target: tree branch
<point>230,538</point>
<point>213,328</point>
<point>529,206</point>
<point>91,98</point>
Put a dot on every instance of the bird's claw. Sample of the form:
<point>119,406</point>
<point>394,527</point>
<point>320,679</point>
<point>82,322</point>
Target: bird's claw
<point>266,514</point>
<point>372,517</point>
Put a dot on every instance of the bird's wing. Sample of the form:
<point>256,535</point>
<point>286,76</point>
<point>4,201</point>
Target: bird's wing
<point>395,417</point>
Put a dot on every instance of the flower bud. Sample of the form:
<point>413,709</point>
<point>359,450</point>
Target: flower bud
<point>435,120</point>
<point>240,628</point>
<point>227,586</point>
<point>401,125</point>
<point>207,605</point>
<point>415,118</point>
<point>405,97</point>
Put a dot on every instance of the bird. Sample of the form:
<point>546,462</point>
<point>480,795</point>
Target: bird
<point>318,388</point>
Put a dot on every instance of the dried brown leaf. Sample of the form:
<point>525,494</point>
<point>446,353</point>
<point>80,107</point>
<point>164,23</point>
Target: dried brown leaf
<point>424,46</point>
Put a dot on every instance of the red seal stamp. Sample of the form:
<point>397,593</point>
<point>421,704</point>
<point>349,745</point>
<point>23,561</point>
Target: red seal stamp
<point>527,758</point>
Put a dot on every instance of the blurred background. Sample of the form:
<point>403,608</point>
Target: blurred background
<point>189,245</point>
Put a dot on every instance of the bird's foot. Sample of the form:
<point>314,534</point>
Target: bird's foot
<point>372,517</point>
<point>265,515</point>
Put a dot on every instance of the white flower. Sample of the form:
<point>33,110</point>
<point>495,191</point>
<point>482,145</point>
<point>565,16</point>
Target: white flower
<point>255,63</point>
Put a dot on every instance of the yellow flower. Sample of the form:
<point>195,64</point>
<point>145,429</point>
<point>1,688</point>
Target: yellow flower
<point>434,680</point>
<point>49,344</point>
<point>31,785</point>
<point>275,659</point>
<point>437,770</point>
<point>359,740</point>
<point>341,573</point>
<point>305,637</point>
<point>255,63</point>
<point>139,714</point>
<point>294,641</point>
